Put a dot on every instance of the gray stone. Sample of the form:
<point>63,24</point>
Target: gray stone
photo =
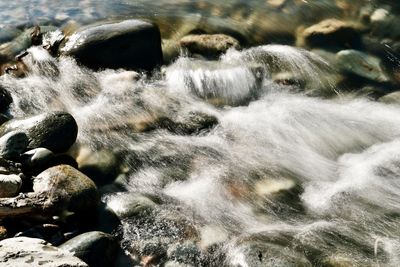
<point>209,45</point>
<point>95,248</point>
<point>361,64</point>
<point>27,252</point>
<point>13,144</point>
<point>187,253</point>
<point>56,131</point>
<point>130,44</point>
<point>132,204</point>
<point>9,185</point>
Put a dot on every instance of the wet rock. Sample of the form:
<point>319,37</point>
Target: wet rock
<point>107,220</point>
<point>49,232</point>
<point>186,253</point>
<point>101,166</point>
<point>13,144</point>
<point>192,123</point>
<point>5,99</point>
<point>331,32</point>
<point>133,204</point>
<point>361,64</point>
<point>78,192</point>
<point>392,98</point>
<point>36,157</point>
<point>56,131</point>
<point>57,190</point>
<point>130,44</point>
<point>265,254</point>
<point>26,252</point>
<point>95,248</point>
<point>209,45</point>
<point>9,185</point>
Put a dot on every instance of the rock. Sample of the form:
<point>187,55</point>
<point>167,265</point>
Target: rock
<point>270,255</point>
<point>392,98</point>
<point>57,190</point>
<point>9,185</point>
<point>126,205</point>
<point>13,144</point>
<point>331,32</point>
<point>130,44</point>
<point>187,253</point>
<point>5,99</point>
<point>107,220</point>
<point>101,166</point>
<point>361,64</point>
<point>209,45</point>
<point>95,248</point>
<point>192,123</point>
<point>78,191</point>
<point>56,131</point>
<point>49,232</point>
<point>27,252</point>
<point>176,264</point>
<point>36,157</point>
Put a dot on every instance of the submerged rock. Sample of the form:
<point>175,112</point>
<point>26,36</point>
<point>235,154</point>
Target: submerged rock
<point>209,45</point>
<point>330,32</point>
<point>26,252</point>
<point>392,98</point>
<point>95,248</point>
<point>9,185</point>
<point>130,44</point>
<point>56,131</point>
<point>361,64</point>
<point>132,204</point>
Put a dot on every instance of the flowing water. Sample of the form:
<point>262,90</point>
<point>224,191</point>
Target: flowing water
<point>283,179</point>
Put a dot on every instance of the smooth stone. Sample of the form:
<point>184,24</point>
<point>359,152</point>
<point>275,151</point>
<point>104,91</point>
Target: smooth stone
<point>27,252</point>
<point>209,45</point>
<point>101,166</point>
<point>36,157</point>
<point>63,182</point>
<point>13,144</point>
<point>107,220</point>
<point>392,98</point>
<point>361,64</point>
<point>5,99</point>
<point>330,32</point>
<point>127,205</point>
<point>56,131</point>
<point>130,44</point>
<point>9,185</point>
<point>95,248</point>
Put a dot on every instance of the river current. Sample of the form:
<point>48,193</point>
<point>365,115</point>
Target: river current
<point>285,178</point>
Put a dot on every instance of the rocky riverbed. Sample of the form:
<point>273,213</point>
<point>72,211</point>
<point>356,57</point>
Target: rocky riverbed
<point>260,133</point>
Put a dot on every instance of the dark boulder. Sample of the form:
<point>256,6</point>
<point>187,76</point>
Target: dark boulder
<point>95,248</point>
<point>56,131</point>
<point>130,44</point>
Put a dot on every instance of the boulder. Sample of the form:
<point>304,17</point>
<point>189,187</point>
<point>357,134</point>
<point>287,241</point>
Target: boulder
<point>361,64</point>
<point>331,32</point>
<point>56,131</point>
<point>95,248</point>
<point>9,185</point>
<point>209,45</point>
<point>130,44</point>
<point>27,252</point>
<point>56,191</point>
<point>13,144</point>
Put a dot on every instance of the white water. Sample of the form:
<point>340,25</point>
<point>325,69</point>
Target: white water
<point>282,177</point>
